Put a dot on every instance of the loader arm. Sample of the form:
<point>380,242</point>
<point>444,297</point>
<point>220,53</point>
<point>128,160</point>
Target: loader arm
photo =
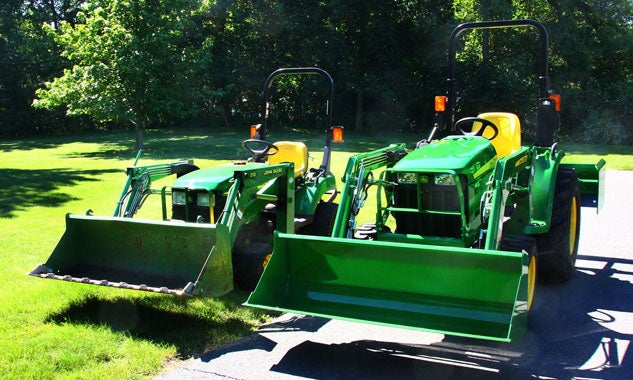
<point>139,183</point>
<point>247,189</point>
<point>356,179</point>
<point>500,187</point>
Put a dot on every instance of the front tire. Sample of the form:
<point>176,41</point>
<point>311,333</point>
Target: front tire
<point>249,263</point>
<point>559,246</point>
<point>323,222</point>
<point>520,243</point>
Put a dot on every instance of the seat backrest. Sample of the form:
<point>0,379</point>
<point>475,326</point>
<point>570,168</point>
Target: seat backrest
<point>291,151</point>
<point>509,138</point>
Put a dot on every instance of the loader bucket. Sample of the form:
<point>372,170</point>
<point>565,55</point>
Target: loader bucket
<point>457,291</point>
<point>160,256</point>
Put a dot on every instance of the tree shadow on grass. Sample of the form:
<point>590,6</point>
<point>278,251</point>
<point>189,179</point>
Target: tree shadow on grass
<point>21,189</point>
<point>166,323</point>
<point>227,145</point>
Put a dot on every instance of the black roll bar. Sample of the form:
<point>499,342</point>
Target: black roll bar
<point>544,84</point>
<point>325,165</point>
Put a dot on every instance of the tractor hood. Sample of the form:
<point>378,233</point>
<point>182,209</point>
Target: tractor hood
<point>213,178</point>
<point>461,154</point>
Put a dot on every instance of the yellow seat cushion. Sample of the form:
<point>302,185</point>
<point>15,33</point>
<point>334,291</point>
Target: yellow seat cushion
<point>508,140</point>
<point>291,151</point>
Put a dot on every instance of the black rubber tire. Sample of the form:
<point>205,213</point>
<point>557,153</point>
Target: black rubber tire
<point>323,223</point>
<point>558,248</point>
<point>519,243</point>
<point>249,263</point>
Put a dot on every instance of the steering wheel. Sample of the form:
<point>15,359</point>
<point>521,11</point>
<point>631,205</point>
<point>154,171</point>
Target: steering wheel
<point>259,149</point>
<point>484,124</point>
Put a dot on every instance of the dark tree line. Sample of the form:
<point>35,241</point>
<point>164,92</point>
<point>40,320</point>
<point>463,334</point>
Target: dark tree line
<point>68,65</point>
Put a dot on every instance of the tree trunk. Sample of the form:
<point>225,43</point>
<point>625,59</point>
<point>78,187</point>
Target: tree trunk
<point>226,115</point>
<point>139,136</point>
<point>358,127</point>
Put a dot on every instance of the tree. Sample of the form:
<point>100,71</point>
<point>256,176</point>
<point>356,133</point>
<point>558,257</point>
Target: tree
<point>131,64</point>
<point>593,45</point>
<point>382,54</point>
<point>27,57</point>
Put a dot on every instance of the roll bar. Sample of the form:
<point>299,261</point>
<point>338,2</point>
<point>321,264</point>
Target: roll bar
<point>544,83</point>
<point>330,98</point>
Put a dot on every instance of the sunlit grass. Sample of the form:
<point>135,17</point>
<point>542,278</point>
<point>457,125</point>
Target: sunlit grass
<point>617,157</point>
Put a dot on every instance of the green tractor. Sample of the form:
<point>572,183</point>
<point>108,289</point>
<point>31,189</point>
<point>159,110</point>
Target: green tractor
<point>464,225</point>
<point>217,223</point>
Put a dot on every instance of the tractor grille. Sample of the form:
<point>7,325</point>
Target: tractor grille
<point>436,199</point>
<point>179,211</point>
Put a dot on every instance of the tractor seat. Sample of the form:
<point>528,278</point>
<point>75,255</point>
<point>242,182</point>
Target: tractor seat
<point>291,151</point>
<point>508,140</point>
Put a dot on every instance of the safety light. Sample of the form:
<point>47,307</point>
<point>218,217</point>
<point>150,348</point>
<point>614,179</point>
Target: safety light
<point>556,99</point>
<point>255,131</point>
<point>440,103</point>
<point>337,134</point>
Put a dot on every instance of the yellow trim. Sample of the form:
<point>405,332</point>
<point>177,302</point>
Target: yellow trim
<point>487,166</point>
<point>521,161</point>
<point>573,225</point>
<point>531,281</point>
<point>266,260</point>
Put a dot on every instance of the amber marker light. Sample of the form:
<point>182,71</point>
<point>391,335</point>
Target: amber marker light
<point>337,134</point>
<point>556,99</point>
<point>254,128</point>
<point>440,103</point>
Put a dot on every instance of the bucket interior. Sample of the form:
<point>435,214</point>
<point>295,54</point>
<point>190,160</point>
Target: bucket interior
<point>467,292</point>
<point>155,254</point>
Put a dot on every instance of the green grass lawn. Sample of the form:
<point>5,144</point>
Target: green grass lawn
<point>51,329</point>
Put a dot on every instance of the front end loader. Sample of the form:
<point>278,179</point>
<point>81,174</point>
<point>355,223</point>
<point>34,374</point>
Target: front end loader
<point>216,229</point>
<point>462,226</point>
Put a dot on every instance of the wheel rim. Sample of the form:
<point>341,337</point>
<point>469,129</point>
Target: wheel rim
<point>531,281</point>
<point>573,226</point>
<point>266,260</point>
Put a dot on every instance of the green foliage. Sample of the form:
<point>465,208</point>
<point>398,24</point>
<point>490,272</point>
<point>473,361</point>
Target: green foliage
<point>27,57</point>
<point>131,63</point>
<point>161,63</point>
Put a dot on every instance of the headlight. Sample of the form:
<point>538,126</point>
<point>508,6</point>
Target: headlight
<point>203,200</point>
<point>445,179</point>
<point>179,198</point>
<point>407,178</point>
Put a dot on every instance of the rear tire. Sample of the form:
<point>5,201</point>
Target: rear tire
<point>323,222</point>
<point>559,246</point>
<point>520,243</point>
